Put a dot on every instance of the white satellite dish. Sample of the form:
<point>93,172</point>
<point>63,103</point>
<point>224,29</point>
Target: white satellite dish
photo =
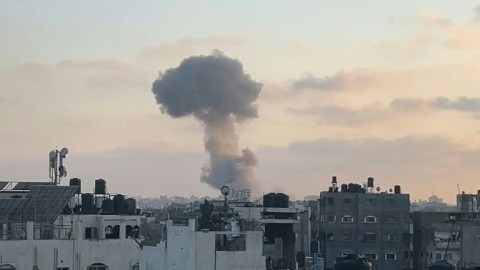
<point>378,189</point>
<point>225,190</point>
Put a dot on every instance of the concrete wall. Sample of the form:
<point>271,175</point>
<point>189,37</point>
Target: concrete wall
<point>76,253</point>
<point>187,249</point>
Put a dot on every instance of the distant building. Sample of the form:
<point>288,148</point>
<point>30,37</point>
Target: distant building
<point>446,236</point>
<point>357,219</point>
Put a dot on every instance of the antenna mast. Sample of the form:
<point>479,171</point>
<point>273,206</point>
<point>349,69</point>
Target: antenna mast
<point>56,168</point>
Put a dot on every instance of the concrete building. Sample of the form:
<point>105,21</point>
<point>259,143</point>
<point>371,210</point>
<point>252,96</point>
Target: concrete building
<point>186,247</point>
<point>361,220</point>
<point>446,236</point>
<point>42,227</point>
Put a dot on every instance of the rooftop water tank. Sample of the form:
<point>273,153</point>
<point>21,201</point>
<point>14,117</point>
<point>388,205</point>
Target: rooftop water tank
<point>100,186</point>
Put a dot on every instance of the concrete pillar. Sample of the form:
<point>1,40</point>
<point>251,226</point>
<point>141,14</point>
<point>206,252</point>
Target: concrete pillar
<point>30,230</point>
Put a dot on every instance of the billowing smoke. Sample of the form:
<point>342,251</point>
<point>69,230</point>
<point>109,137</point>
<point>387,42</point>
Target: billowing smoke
<point>216,91</point>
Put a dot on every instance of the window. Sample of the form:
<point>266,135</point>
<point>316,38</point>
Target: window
<point>390,219</point>
<point>112,232</point>
<point>370,219</point>
<point>347,237</point>
<point>7,267</point>
<point>131,231</point>
<point>391,237</point>
<point>449,256</point>
<point>97,266</point>
<point>322,218</point>
<point>438,256</point>
<point>61,268</point>
<point>371,256</point>
<point>135,266</point>
<point>390,256</point>
<point>91,233</point>
<point>369,236</point>
<point>389,201</point>
<point>369,201</point>
<point>347,219</point>
<point>347,201</point>
<point>331,218</point>
<point>330,236</point>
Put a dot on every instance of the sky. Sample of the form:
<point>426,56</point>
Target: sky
<point>387,89</point>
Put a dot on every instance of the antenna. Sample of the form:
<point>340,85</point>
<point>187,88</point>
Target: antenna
<point>56,168</point>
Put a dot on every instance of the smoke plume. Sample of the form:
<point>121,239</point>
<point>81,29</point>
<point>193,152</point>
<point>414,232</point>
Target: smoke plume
<point>216,91</point>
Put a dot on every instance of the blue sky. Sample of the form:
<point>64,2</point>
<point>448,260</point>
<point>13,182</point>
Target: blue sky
<point>386,74</point>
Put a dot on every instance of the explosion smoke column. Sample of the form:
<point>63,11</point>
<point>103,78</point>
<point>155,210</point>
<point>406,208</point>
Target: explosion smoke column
<point>216,91</point>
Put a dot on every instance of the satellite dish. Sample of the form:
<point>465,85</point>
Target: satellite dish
<point>64,152</point>
<point>390,190</point>
<point>378,189</point>
<point>225,191</point>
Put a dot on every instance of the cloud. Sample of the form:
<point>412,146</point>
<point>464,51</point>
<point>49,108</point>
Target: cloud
<point>339,82</point>
<point>430,18</point>
<point>345,116</point>
<point>416,163</point>
<point>462,38</point>
<point>461,104</point>
<point>337,115</point>
<point>477,13</point>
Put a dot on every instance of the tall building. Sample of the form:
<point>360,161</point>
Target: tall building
<point>361,220</point>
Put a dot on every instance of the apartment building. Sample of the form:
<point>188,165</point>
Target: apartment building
<point>361,219</point>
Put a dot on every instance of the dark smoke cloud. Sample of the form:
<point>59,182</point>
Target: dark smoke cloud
<point>215,90</point>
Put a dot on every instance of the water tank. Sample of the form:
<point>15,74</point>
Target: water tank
<point>87,204</point>
<point>76,182</point>
<point>370,182</point>
<point>130,206</point>
<point>397,189</point>
<point>352,262</point>
<point>351,188</point>
<point>119,204</point>
<point>99,200</point>
<point>281,200</point>
<point>268,199</point>
<point>100,186</point>
<point>343,188</point>
<point>107,206</point>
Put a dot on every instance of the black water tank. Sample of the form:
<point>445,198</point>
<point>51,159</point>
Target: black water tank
<point>351,188</point>
<point>370,182</point>
<point>119,204</point>
<point>107,206</point>
<point>100,186</point>
<point>397,189</point>
<point>78,183</point>
<point>282,200</point>
<point>344,188</point>
<point>87,204</point>
<point>268,199</point>
<point>130,206</point>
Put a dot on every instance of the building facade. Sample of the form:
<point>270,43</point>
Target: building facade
<point>357,220</point>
